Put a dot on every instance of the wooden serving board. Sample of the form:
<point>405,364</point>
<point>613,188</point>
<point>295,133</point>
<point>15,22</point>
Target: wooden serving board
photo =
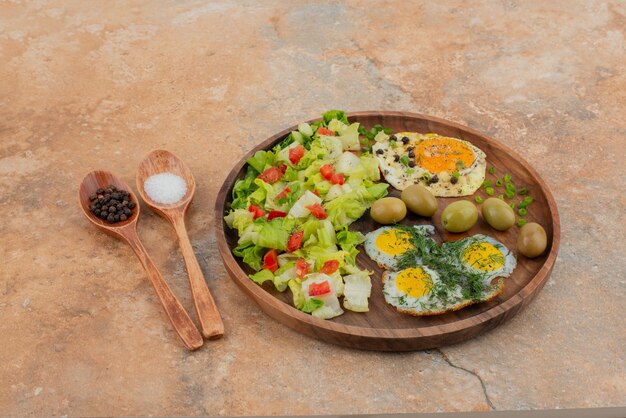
<point>383,328</point>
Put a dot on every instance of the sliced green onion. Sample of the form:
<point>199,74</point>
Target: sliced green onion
<point>507,178</point>
<point>522,191</point>
<point>522,211</point>
<point>387,130</point>
<point>378,126</point>
<point>486,183</point>
<point>527,201</point>
<point>426,177</point>
<point>509,194</point>
<point>489,191</point>
<point>501,197</point>
<point>410,171</point>
<point>478,199</point>
<point>499,182</point>
<point>456,174</point>
<point>521,222</point>
<point>404,160</point>
<point>393,144</point>
<point>492,170</point>
<point>512,205</point>
<point>510,186</point>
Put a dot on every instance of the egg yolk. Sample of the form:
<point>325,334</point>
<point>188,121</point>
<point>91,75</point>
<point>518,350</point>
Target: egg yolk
<point>443,154</point>
<point>414,282</point>
<point>483,256</point>
<point>393,242</point>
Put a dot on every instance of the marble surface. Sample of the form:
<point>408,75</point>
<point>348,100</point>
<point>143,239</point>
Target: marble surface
<point>87,85</point>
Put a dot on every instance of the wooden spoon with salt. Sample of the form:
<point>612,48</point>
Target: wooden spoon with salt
<point>127,231</point>
<point>159,162</point>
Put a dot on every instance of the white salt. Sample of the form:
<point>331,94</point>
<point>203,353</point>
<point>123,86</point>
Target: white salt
<point>165,187</point>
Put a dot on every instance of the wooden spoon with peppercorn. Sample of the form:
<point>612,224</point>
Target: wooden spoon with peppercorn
<point>159,163</point>
<point>112,207</point>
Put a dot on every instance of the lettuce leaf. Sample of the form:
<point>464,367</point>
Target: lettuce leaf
<point>252,255</point>
<point>262,276</point>
<point>334,114</point>
<point>242,189</point>
<point>357,290</point>
<point>261,160</point>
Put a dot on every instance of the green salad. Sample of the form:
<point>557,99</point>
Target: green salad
<point>293,208</point>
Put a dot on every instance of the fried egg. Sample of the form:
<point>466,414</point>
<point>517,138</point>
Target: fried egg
<point>413,291</point>
<point>484,255</point>
<point>421,291</point>
<point>446,166</point>
<point>388,244</point>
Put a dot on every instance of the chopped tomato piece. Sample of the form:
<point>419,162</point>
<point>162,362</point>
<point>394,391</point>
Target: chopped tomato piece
<point>318,211</point>
<point>283,194</point>
<point>276,214</point>
<point>257,212</point>
<point>317,289</point>
<point>330,267</point>
<point>325,131</point>
<point>283,168</point>
<point>295,241</point>
<point>270,260</point>
<point>327,171</point>
<point>337,178</point>
<point>271,175</point>
<point>302,267</point>
<point>296,153</point>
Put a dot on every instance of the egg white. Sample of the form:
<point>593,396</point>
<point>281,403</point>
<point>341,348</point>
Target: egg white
<point>383,259</point>
<point>507,267</point>
<point>400,176</point>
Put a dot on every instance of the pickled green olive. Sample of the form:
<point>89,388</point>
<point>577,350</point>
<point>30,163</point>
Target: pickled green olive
<point>419,200</point>
<point>388,210</point>
<point>498,214</point>
<point>459,216</point>
<point>532,240</point>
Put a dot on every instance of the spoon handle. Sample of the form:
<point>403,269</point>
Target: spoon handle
<point>209,317</point>
<point>182,323</point>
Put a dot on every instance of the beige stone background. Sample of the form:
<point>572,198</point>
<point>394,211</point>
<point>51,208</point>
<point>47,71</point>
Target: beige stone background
<point>98,84</point>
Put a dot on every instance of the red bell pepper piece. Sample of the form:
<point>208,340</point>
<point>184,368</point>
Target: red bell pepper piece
<point>257,212</point>
<point>325,131</point>
<point>330,267</point>
<point>275,214</point>
<point>296,153</point>
<point>270,260</point>
<point>317,210</point>
<point>317,289</point>
<point>302,267</point>
<point>327,171</point>
<point>271,175</point>
<point>295,241</point>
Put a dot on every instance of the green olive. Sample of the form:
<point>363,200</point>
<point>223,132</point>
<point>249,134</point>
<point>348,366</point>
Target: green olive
<point>459,216</point>
<point>420,200</point>
<point>532,240</point>
<point>498,214</point>
<point>388,210</point>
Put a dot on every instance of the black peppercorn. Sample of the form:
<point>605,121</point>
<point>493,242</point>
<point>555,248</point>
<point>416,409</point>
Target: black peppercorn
<point>380,151</point>
<point>123,217</point>
<point>405,140</point>
<point>411,164</point>
<point>454,180</point>
<point>111,204</point>
<point>393,138</point>
<point>396,157</point>
<point>434,179</point>
<point>131,205</point>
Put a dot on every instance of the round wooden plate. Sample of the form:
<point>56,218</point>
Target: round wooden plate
<point>383,328</point>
